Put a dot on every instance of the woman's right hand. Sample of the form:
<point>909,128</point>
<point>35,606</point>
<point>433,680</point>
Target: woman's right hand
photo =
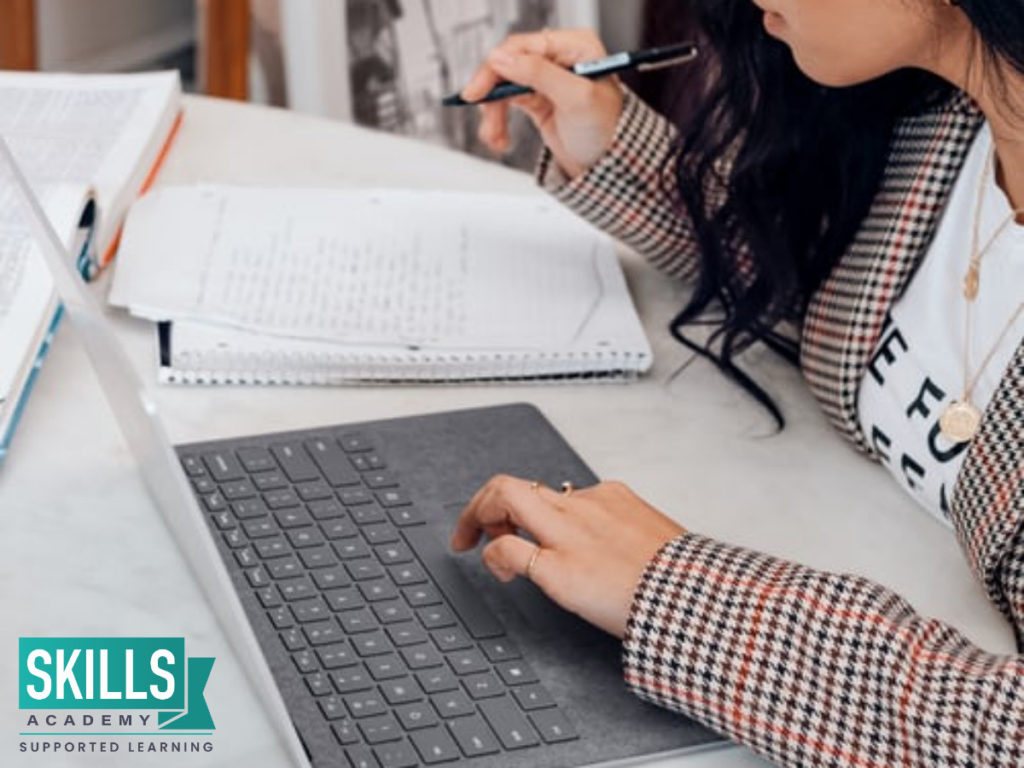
<point>576,117</point>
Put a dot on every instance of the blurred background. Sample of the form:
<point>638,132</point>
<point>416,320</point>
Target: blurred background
<point>380,63</point>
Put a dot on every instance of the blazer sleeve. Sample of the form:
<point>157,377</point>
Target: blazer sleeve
<point>816,669</point>
<point>627,192</point>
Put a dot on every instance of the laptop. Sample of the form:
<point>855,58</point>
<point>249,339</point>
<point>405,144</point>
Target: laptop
<point>324,554</point>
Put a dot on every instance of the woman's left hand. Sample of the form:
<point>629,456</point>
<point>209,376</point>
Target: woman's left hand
<point>594,543</point>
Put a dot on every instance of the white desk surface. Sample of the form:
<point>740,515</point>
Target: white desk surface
<point>83,551</point>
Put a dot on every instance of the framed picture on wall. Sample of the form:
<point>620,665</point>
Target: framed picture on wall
<point>386,64</point>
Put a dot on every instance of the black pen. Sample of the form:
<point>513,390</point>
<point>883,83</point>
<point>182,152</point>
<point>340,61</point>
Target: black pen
<point>642,61</point>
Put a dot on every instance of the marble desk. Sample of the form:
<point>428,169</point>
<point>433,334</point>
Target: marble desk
<point>83,552</point>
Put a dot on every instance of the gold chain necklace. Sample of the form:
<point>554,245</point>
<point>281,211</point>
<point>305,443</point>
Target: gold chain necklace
<point>961,419</point>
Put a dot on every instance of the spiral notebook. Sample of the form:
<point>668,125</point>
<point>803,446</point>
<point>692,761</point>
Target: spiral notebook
<point>328,286</point>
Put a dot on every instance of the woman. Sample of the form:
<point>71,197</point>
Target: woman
<point>856,166</point>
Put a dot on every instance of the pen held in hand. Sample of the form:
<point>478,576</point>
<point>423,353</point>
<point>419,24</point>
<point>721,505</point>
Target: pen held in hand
<point>642,61</point>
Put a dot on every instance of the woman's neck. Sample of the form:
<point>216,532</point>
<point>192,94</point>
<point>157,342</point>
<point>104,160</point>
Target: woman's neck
<point>998,90</point>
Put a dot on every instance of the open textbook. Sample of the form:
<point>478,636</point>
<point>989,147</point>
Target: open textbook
<point>88,144</point>
<point>333,286</point>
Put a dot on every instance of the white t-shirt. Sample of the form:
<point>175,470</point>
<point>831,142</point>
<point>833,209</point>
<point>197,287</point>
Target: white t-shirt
<point>918,365</point>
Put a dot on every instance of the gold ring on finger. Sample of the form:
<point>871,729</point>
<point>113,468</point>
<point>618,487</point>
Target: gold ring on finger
<point>528,572</point>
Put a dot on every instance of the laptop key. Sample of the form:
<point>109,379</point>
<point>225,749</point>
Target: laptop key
<point>392,498</point>
<point>257,577</point>
<point>361,757</point>
<point>391,611</point>
<point>511,726</point>
<point>295,462</point>
<point>397,754</point>
<point>318,557</point>
<point>499,649</point>
<point>322,633</point>
<point>306,611</point>
<point>378,589</point>
<point>223,466</point>
<point>335,655</point>
<point>204,485</point>
<point>473,736</point>
<point>339,529</point>
<point>377,480</point>
<point>281,617</point>
<point>269,481</point>
<point>451,639</point>
<point>296,589</point>
<point>318,684</point>
<point>409,633</point>
<point>452,704</point>
<point>284,567</point>
<point>483,685</point>
<point>401,691</point>
<point>380,729</point>
<point>468,662</point>
<point>367,704</point>
<point>371,644</point>
<point>350,549</point>
<point>215,501</point>
<point>386,667</point>
<point>407,574</point>
<point>478,619</point>
<point>223,520</point>
<point>335,576</point>
<point>248,509</point>
<point>359,620</point>
<point>305,537</point>
<point>516,673</point>
<point>364,569</point>
<point>193,466</point>
<point>435,746</point>
<point>331,461</point>
<point>333,707</point>
<point>293,518</point>
<point>246,557</point>
<point>344,599</point>
<point>369,514</point>
<point>553,726</point>
<point>414,716</point>
<point>327,509</point>
<point>422,595</point>
<point>268,597</point>
<point>239,489</point>
<point>354,497</point>
<point>346,733</point>
<point>306,662</point>
<point>531,697</point>
<point>314,491</point>
<point>271,548</point>
<point>293,639</point>
<point>421,656</point>
<point>392,554</point>
<point>351,679</point>
<point>437,680</point>
<point>435,616</point>
<point>235,538</point>
<point>256,529</point>
<point>256,459</point>
<point>355,442</point>
<point>406,516</point>
<point>280,499</point>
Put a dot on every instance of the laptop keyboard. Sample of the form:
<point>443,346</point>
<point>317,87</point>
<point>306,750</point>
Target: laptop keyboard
<point>406,663</point>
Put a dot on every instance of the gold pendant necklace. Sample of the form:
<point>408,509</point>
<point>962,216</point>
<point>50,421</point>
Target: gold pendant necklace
<point>961,419</point>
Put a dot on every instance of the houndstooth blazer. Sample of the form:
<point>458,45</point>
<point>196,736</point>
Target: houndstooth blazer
<point>805,667</point>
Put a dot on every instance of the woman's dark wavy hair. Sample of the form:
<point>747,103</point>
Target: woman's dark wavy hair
<point>808,163</point>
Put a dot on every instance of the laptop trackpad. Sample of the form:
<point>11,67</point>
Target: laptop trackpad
<point>542,615</point>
